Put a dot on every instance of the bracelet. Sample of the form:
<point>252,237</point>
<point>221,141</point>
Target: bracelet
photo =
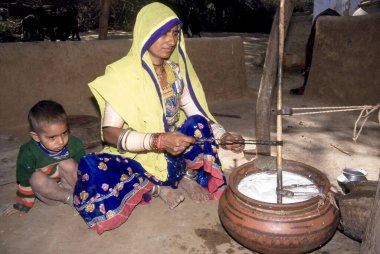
<point>150,142</point>
<point>143,142</point>
<point>119,142</point>
<point>67,199</point>
<point>160,143</point>
<point>155,192</point>
<point>154,142</point>
<point>218,131</point>
<point>191,174</point>
<point>157,142</point>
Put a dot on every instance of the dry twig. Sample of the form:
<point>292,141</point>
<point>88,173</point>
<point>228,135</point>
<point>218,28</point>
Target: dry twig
<point>345,152</point>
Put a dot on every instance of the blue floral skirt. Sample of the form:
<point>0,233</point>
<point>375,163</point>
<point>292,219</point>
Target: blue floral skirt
<point>109,186</point>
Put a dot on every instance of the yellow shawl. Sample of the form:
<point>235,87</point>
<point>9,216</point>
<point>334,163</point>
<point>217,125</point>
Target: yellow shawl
<point>130,86</point>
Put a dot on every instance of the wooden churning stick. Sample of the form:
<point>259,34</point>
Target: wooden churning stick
<point>281,39</point>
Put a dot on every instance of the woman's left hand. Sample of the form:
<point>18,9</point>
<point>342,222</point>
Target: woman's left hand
<point>232,142</point>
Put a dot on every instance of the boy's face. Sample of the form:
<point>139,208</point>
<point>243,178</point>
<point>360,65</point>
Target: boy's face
<point>53,137</point>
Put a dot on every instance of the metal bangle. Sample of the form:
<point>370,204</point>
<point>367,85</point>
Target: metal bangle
<point>155,192</point>
<point>191,174</point>
<point>118,143</point>
<point>119,146</point>
<point>67,199</point>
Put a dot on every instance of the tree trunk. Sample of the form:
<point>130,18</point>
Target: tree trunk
<point>103,19</point>
<point>268,80</point>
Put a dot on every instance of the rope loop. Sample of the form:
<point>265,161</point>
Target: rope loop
<point>365,112</point>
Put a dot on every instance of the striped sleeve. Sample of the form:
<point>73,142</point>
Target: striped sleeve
<point>24,169</point>
<point>24,198</point>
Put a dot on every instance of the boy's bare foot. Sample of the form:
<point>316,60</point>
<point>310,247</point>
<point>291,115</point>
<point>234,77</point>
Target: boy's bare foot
<point>194,190</point>
<point>7,210</point>
<point>172,197</point>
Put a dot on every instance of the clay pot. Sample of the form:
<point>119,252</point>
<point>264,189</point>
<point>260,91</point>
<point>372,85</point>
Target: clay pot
<point>279,228</point>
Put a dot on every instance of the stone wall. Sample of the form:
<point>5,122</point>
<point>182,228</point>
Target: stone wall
<point>345,67</point>
<point>61,71</point>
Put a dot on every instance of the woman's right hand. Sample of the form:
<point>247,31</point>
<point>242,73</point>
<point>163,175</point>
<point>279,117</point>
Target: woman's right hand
<point>176,143</point>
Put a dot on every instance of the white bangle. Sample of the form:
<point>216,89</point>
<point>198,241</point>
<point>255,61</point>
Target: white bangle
<point>135,141</point>
<point>218,131</point>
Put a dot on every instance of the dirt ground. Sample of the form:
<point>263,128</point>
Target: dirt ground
<point>323,141</point>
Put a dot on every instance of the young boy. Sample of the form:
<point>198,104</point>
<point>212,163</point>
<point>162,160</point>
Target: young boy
<point>47,164</point>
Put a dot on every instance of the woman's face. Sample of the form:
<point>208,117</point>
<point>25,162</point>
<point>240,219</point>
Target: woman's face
<point>164,46</point>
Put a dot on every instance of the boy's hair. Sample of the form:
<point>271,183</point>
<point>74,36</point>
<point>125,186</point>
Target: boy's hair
<point>46,112</point>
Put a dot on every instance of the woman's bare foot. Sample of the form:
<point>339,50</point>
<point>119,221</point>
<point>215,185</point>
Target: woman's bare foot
<point>172,197</point>
<point>194,190</point>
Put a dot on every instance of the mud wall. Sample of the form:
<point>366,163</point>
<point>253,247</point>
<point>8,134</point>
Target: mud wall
<point>61,71</point>
<point>345,68</point>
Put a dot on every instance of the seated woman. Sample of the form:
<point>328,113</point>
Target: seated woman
<point>162,139</point>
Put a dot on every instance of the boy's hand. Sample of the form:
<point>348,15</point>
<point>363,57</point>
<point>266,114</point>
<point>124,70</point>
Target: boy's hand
<point>8,210</point>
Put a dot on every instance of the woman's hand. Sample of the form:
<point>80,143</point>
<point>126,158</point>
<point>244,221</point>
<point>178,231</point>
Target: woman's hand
<point>232,142</point>
<point>176,143</point>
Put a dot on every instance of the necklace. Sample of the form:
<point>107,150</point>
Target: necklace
<point>159,71</point>
<point>163,72</point>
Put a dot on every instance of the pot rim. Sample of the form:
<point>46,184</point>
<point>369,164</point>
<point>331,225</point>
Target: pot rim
<point>238,173</point>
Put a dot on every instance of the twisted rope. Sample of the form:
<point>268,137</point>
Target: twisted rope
<point>327,198</point>
<point>330,109</point>
<point>365,112</point>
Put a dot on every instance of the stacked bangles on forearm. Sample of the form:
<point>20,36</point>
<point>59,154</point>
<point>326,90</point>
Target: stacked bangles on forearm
<point>130,140</point>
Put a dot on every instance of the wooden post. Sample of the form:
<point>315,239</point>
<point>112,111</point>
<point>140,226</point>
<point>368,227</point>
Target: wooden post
<point>268,80</point>
<point>371,239</point>
<point>281,42</point>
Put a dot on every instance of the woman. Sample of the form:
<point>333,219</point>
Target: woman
<point>157,124</point>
